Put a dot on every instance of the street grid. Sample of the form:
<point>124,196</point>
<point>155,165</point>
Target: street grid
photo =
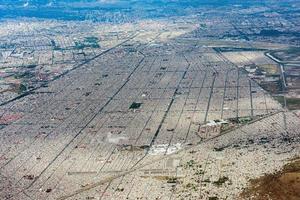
<point>80,127</point>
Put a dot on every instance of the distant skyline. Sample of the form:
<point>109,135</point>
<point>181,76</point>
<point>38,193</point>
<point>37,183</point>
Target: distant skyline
<point>84,9</point>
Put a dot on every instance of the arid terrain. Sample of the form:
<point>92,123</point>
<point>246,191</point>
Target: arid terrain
<point>162,100</point>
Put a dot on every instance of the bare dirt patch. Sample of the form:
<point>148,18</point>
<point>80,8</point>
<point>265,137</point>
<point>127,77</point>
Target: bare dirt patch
<point>282,185</point>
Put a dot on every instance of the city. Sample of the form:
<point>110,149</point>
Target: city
<point>163,100</point>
